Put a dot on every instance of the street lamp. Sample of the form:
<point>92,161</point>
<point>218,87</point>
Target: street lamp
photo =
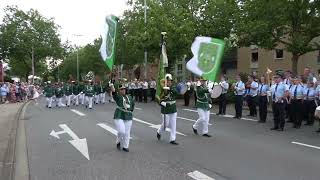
<point>77,35</point>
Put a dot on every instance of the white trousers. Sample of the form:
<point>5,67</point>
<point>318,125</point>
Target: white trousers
<point>59,103</point>
<point>170,123</point>
<point>202,123</point>
<point>49,101</point>
<point>89,101</point>
<point>82,97</point>
<point>102,97</point>
<point>96,99</point>
<point>76,99</point>
<point>123,128</point>
<point>68,100</point>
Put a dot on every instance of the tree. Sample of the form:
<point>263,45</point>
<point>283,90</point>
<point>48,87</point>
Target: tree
<point>293,23</point>
<point>23,31</point>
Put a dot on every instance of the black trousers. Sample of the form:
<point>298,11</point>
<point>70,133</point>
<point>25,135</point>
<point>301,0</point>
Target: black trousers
<point>131,92</point>
<point>145,95</point>
<point>296,112</point>
<point>263,108</point>
<point>140,92</point>
<point>278,113</point>
<point>195,98</point>
<point>238,105</point>
<point>252,103</point>
<point>136,94</point>
<point>186,97</point>
<point>153,94</point>
<point>310,106</point>
<point>222,104</point>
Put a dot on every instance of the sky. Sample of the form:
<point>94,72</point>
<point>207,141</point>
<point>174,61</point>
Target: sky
<point>75,17</point>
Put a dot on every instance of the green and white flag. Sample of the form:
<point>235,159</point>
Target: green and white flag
<point>107,49</point>
<point>161,73</point>
<point>207,58</point>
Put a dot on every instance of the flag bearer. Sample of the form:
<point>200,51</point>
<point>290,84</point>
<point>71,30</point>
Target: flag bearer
<point>123,117</point>
<point>89,93</point>
<point>49,92</point>
<point>168,108</point>
<point>203,107</point>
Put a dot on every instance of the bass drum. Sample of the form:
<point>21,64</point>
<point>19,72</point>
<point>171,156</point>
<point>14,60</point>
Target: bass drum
<point>216,91</point>
<point>181,88</point>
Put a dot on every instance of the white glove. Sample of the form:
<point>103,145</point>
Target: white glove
<point>210,106</point>
<point>163,104</point>
<point>166,88</point>
<point>198,83</point>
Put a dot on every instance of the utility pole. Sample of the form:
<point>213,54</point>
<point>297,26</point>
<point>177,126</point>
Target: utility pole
<point>32,65</point>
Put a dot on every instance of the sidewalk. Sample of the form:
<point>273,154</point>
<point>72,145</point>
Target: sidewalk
<point>9,114</point>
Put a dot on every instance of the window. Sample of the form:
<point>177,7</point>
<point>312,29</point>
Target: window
<point>254,56</point>
<point>279,54</point>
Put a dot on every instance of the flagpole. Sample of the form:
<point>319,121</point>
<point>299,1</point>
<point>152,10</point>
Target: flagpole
<point>165,79</point>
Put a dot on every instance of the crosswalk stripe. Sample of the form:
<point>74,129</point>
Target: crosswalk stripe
<point>191,110</point>
<point>306,145</point>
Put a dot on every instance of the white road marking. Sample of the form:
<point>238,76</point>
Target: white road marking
<point>155,126</point>
<point>247,119</point>
<point>306,145</point>
<point>167,129</point>
<point>189,120</point>
<point>191,110</point>
<point>144,122</point>
<point>138,108</point>
<point>197,175</point>
<point>227,115</point>
<point>77,112</point>
<point>80,144</point>
<point>108,128</point>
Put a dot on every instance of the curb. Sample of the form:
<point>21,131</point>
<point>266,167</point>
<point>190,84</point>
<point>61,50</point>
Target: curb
<point>7,171</point>
<point>21,164</point>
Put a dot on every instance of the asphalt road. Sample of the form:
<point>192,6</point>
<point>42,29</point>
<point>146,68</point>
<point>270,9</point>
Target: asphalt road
<point>78,144</point>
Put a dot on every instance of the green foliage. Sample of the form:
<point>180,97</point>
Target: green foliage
<point>23,31</point>
<point>293,23</point>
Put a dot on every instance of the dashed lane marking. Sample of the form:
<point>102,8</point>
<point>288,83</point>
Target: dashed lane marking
<point>306,145</point>
<point>77,112</point>
<point>197,175</point>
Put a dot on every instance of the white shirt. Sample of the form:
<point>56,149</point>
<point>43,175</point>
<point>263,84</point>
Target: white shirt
<point>144,85</point>
<point>225,86</point>
<point>254,89</point>
<point>239,88</point>
<point>153,84</point>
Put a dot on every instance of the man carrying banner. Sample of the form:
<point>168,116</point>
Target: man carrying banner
<point>203,107</point>
<point>168,108</point>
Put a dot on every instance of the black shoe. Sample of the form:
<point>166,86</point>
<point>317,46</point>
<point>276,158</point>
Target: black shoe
<point>281,129</point>
<point>174,143</point>
<point>158,136</point>
<point>289,121</point>
<point>125,149</point>
<point>275,128</point>
<point>118,145</point>
<point>194,130</point>
<point>49,107</point>
<point>206,135</point>
<point>318,131</point>
<point>218,114</point>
